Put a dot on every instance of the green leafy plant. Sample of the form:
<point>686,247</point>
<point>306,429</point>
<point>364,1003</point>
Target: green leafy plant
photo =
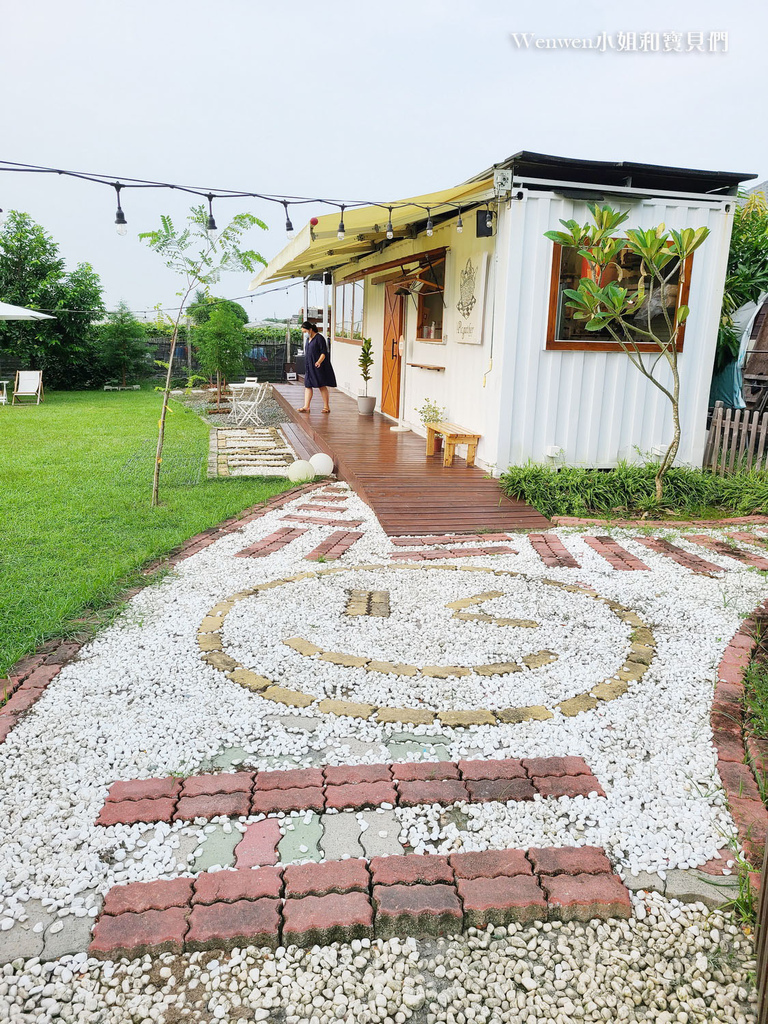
<point>628,491</point>
<point>199,260</point>
<point>621,311</point>
<point>747,273</point>
<point>365,362</point>
<point>124,350</point>
<point>430,412</point>
<point>221,345</point>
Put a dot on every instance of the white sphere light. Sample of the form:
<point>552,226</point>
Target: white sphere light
<point>300,471</point>
<point>322,464</point>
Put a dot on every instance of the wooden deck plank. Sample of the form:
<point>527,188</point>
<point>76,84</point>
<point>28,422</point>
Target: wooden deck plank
<point>410,493</point>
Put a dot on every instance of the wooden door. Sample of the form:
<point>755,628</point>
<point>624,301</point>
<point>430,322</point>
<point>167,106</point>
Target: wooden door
<point>391,358</point>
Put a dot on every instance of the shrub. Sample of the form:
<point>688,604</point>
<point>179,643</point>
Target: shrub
<point>630,490</point>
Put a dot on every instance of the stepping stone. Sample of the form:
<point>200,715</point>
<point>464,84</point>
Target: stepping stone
<point>373,842</point>
<point>304,834</point>
<point>73,938</point>
<point>341,836</point>
<point>218,848</point>
<point>401,751</point>
<point>230,757</point>
<point>698,887</point>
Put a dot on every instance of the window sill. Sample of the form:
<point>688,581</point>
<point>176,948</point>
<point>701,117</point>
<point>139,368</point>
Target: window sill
<point>602,346</point>
<point>349,341</point>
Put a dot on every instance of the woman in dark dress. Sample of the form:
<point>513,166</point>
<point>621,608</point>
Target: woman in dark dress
<point>318,372</point>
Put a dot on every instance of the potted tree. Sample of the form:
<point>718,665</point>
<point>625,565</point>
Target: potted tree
<point>365,403</point>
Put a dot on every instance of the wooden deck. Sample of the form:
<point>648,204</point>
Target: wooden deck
<point>410,493</point>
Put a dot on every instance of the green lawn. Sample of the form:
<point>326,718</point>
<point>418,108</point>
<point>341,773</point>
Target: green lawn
<point>75,517</point>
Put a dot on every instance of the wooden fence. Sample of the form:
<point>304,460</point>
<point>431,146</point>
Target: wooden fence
<point>737,441</point>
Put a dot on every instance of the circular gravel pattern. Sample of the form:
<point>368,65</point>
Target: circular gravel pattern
<point>516,649</point>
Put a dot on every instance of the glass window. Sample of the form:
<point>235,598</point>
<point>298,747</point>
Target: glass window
<point>568,267</point>
<point>348,311</point>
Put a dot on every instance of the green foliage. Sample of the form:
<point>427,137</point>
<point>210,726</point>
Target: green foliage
<point>747,273</point>
<point>200,309</point>
<point>756,697</point>
<point>628,491</point>
<point>276,333</point>
<point>123,344</point>
<point>365,361</point>
<point>430,412</point>
<point>76,524</point>
<point>221,344</point>
<point>33,274</point>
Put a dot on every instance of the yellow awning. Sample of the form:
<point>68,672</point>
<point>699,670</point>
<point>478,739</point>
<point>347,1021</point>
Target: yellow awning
<point>314,250</point>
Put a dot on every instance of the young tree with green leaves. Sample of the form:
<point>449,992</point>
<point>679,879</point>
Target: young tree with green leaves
<point>626,313</point>
<point>200,310</point>
<point>124,349</point>
<point>221,344</point>
<point>199,260</point>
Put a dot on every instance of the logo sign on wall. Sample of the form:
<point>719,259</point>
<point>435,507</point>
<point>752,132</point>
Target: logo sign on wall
<point>469,285</point>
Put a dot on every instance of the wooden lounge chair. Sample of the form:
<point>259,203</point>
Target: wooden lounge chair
<point>29,384</point>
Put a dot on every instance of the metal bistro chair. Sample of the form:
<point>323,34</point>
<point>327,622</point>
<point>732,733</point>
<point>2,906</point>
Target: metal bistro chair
<point>237,391</point>
<point>249,403</point>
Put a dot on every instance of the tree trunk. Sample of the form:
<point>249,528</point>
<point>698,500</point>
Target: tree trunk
<point>218,389</point>
<point>161,424</point>
<point>671,453</point>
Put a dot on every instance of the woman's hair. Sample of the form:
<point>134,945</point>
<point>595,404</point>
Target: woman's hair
<point>309,326</point>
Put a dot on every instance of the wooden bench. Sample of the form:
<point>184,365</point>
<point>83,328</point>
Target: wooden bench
<point>451,435</point>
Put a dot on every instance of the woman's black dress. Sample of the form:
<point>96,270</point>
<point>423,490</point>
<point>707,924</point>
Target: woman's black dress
<point>321,376</point>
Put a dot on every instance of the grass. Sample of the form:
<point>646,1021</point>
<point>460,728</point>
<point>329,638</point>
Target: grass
<point>75,490</point>
<point>628,491</point>
<point>756,697</point>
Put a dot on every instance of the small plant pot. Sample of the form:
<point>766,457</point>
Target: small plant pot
<point>366,404</point>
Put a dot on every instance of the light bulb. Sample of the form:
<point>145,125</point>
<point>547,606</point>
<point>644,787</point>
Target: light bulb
<point>211,230</point>
<point>390,229</point>
<point>289,229</point>
<point>459,225</point>
<point>429,228</point>
<point>489,220</point>
<point>341,232</point>
<point>122,229</point>
<point>121,224</point>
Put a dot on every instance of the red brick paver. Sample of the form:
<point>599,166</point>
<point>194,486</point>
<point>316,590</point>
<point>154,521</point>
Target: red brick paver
<point>552,551</point>
<point>259,844</point>
<point>274,542</point>
<point>558,766</point>
<point>501,790</point>
<point>134,935</point>
<point>334,876</point>
<point>492,769</point>
<point>614,553</point>
<point>129,812</point>
<point>242,884</point>
<point>490,864</point>
<point>441,791</point>
<point>567,785</point>
<point>501,900</point>
<point>321,521</point>
<point>425,770</point>
<point>360,794</point>
<point>138,897</point>
<point>455,538</point>
<point>318,920</point>
<point>569,860</point>
<point>308,798</point>
<point>145,789</point>
<point>231,805</point>
<point>208,785</point>
<point>334,546</point>
<point>351,774</point>
<point>291,778</point>
<point>243,923</point>
<point>416,910</point>
<point>729,550</point>
<point>584,897</point>
<point>685,558</point>
<point>428,555</point>
<point>427,869</point>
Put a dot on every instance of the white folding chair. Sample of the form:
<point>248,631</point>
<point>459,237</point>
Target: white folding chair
<point>249,403</point>
<point>29,384</point>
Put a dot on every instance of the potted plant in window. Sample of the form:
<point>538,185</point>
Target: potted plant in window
<point>365,403</point>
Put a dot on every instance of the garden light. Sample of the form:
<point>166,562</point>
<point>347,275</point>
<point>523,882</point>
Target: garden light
<point>390,229</point>
<point>341,232</point>
<point>459,224</point>
<point>288,226</point>
<point>429,224</point>
<point>121,224</point>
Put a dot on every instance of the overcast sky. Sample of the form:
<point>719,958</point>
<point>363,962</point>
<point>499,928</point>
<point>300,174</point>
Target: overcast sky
<point>349,100</point>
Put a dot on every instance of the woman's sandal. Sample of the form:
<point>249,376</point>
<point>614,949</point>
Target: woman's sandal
<point>303,409</point>
<point>326,410</point>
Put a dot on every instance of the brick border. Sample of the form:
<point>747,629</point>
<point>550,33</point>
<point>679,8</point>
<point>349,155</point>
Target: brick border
<point>739,755</point>
<point>671,524</point>
<point>346,788</point>
<point>338,901</point>
<point>26,681</point>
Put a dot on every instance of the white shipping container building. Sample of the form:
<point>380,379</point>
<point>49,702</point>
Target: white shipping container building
<point>461,294</point>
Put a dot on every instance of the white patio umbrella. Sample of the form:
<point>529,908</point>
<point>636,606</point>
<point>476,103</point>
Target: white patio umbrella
<point>8,312</point>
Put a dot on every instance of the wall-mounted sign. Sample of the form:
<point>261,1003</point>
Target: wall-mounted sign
<point>469,286</point>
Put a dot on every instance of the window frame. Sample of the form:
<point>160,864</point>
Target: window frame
<point>339,314</point>
<point>602,344</point>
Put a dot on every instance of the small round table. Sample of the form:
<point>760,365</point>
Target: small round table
<point>4,396</point>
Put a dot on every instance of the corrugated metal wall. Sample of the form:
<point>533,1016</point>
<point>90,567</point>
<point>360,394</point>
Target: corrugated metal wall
<point>596,405</point>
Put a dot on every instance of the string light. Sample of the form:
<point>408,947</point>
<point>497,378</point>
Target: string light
<point>341,232</point>
<point>390,229</point>
<point>210,228</point>
<point>430,227</point>
<point>288,226</point>
<point>121,224</point>
<point>459,224</point>
<point>488,218</point>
